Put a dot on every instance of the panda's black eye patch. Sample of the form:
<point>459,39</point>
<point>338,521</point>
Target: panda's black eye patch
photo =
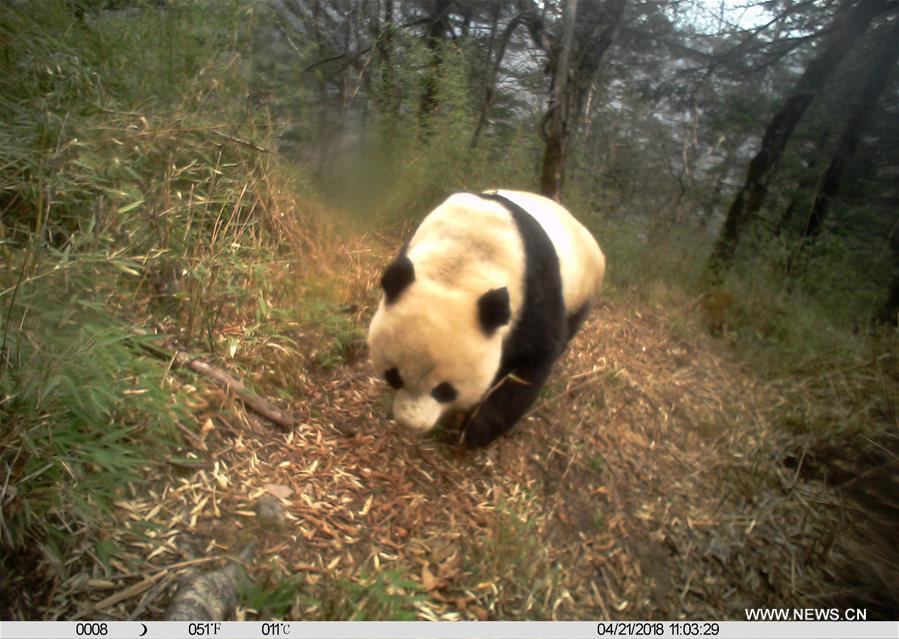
<point>393,378</point>
<point>444,392</point>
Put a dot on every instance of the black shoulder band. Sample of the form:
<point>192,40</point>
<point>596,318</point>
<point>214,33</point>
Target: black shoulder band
<point>540,330</point>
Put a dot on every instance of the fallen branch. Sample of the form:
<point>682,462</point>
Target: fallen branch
<point>220,377</point>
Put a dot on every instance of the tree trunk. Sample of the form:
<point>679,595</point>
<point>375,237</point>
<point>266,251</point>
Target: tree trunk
<point>882,63</point>
<point>573,62</point>
<point>889,312</point>
<point>490,81</point>
<point>803,188</point>
<point>438,27</point>
<point>603,28</point>
<point>322,146</point>
<point>389,104</point>
<point>555,121</point>
<point>849,24</point>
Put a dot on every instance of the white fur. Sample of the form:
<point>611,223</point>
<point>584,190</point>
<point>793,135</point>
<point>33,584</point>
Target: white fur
<point>581,262</point>
<point>416,412</point>
<point>465,247</point>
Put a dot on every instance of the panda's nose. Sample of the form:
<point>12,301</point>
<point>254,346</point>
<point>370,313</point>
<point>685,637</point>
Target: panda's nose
<point>416,413</point>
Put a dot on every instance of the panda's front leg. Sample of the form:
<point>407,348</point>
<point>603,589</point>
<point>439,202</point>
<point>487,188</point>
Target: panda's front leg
<point>503,407</point>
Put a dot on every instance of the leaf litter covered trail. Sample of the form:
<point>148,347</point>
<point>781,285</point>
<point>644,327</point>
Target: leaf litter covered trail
<point>646,483</point>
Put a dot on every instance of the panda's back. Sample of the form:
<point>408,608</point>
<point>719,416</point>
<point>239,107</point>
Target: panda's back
<point>581,262</point>
<point>469,243</point>
<point>474,242</point>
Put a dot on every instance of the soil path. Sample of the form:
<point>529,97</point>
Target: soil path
<point>647,483</point>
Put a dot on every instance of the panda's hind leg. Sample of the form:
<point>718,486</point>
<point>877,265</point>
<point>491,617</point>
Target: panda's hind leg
<point>575,320</point>
<point>503,407</point>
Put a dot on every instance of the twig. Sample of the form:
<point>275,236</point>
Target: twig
<point>130,591</point>
<point>241,141</point>
<point>248,397</point>
<point>334,58</point>
<point>149,581</point>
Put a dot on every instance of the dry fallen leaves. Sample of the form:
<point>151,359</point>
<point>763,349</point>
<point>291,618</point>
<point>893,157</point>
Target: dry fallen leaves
<point>646,484</point>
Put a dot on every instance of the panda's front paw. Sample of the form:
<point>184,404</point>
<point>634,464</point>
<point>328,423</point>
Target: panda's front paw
<point>478,432</point>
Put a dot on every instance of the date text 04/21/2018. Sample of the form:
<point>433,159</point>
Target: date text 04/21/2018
<point>657,628</point>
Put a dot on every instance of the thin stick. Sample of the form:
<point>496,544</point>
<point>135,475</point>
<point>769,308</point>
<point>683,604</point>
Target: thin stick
<point>130,591</point>
<point>248,397</point>
<point>241,141</point>
<point>147,582</point>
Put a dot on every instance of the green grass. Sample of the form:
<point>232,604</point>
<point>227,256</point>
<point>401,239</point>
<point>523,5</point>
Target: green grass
<point>84,412</point>
<point>810,336</point>
<point>340,336</point>
<point>272,600</point>
<point>383,595</point>
<point>125,201</point>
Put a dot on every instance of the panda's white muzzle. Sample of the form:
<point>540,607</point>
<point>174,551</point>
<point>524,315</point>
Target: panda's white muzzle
<point>416,413</point>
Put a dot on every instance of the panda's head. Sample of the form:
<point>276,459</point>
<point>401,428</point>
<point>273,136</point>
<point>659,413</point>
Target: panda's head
<point>439,347</point>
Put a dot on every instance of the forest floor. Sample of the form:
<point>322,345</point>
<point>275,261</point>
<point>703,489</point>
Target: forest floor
<point>649,482</point>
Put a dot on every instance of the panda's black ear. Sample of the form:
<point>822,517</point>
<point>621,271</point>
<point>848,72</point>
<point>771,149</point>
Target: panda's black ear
<point>397,277</point>
<point>494,309</point>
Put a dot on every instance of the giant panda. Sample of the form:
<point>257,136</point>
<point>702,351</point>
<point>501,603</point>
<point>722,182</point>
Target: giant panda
<point>478,306</point>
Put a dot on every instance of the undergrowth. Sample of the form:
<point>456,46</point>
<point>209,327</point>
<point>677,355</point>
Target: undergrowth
<point>512,560</point>
<point>82,408</point>
<point>134,194</point>
<point>810,335</point>
<point>386,595</point>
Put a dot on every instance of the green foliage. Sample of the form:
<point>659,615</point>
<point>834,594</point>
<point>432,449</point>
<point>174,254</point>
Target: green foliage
<point>183,198</point>
<point>70,148</point>
<point>386,595</point>
<point>336,334</point>
<point>660,266</point>
<point>844,277</point>
<point>119,195</point>
<point>273,600</point>
<point>83,412</point>
<point>414,162</point>
<point>776,318</point>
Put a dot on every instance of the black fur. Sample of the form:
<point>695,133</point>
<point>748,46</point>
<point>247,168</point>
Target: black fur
<point>494,310</point>
<point>399,275</point>
<point>392,375</point>
<point>535,342</point>
<point>576,319</point>
<point>444,392</point>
